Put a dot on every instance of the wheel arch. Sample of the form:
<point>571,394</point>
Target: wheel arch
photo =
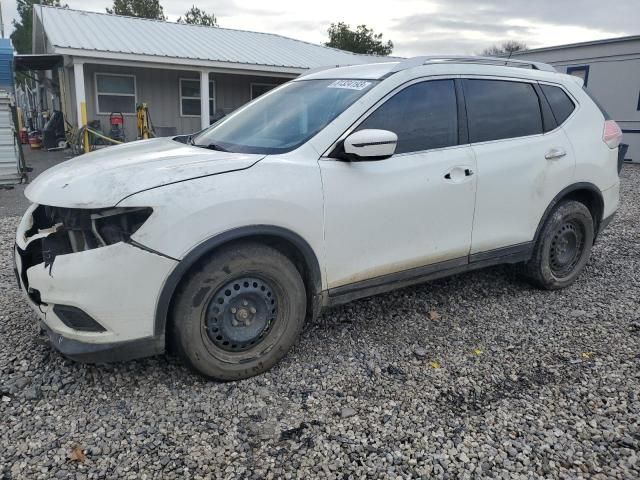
<point>286,241</point>
<point>584,192</point>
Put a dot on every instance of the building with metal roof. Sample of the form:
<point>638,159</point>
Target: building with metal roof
<point>610,69</point>
<point>189,75</point>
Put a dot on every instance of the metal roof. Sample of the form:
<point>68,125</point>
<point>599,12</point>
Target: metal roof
<point>70,30</point>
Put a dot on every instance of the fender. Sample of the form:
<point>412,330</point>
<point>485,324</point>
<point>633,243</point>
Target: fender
<point>565,192</point>
<point>190,259</point>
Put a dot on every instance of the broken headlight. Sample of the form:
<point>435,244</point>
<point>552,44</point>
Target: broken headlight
<point>68,230</point>
<point>118,224</point>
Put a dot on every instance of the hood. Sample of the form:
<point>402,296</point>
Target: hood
<point>103,178</point>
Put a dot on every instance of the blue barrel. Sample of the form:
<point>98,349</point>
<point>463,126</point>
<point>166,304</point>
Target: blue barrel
<point>6,65</point>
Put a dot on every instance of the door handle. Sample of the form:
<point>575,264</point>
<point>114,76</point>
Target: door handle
<point>457,173</point>
<point>555,153</point>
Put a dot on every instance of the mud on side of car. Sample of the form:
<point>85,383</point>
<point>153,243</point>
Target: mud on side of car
<point>340,184</point>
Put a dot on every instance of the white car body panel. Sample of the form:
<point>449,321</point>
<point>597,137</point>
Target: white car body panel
<point>365,235</point>
<point>104,177</point>
<point>99,282</point>
<point>527,182</point>
<point>286,192</point>
<point>611,199</point>
<point>596,163</point>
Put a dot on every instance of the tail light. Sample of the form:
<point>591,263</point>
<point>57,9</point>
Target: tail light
<point>611,135</point>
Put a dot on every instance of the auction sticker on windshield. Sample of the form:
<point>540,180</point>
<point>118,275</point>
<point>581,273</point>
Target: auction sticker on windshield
<point>350,84</point>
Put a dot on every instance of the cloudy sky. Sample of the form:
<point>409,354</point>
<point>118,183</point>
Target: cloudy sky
<point>415,26</point>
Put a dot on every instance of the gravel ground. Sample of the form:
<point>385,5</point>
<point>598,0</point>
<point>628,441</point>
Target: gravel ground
<point>473,376</point>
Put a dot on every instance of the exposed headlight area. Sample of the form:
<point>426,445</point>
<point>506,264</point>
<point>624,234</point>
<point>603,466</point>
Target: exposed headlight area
<point>71,230</point>
<point>57,231</point>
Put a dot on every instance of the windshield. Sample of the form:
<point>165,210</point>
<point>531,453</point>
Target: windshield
<point>284,118</point>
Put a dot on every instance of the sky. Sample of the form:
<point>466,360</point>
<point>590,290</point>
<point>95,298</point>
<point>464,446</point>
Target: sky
<point>416,27</point>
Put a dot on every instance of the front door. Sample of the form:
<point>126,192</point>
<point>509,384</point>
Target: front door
<point>410,210</point>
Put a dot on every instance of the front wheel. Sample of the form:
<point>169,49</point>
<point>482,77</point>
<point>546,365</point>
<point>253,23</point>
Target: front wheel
<point>239,314</point>
<point>563,247</point>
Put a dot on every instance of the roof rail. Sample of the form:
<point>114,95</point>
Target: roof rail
<point>432,59</point>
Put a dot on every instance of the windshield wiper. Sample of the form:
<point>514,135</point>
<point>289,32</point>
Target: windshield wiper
<point>214,146</point>
<point>211,146</point>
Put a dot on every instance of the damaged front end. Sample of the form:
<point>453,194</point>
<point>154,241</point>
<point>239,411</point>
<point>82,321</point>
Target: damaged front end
<point>53,231</point>
<point>93,288</point>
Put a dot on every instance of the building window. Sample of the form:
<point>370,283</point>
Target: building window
<point>258,89</point>
<point>190,97</point>
<point>115,93</point>
<point>581,72</point>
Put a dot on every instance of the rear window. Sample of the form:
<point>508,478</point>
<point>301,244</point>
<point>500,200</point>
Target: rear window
<point>561,104</point>
<point>498,109</point>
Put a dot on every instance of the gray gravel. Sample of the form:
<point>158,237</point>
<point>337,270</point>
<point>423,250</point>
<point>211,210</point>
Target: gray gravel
<point>474,376</point>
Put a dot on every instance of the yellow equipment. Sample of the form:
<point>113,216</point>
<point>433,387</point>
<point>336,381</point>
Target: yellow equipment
<point>145,127</point>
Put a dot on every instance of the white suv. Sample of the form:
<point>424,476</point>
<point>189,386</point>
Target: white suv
<point>342,183</point>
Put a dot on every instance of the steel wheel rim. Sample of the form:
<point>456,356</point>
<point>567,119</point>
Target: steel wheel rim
<point>567,247</point>
<point>240,314</point>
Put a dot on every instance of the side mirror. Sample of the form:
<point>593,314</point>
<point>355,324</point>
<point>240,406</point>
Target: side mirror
<point>370,144</point>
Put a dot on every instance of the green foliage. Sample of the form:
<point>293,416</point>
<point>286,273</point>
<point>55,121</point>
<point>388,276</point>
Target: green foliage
<point>195,16</point>
<point>138,8</point>
<point>506,48</point>
<point>23,25</point>
<point>360,40</point>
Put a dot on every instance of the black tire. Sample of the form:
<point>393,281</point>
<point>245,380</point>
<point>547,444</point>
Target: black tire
<point>239,313</point>
<point>563,247</point>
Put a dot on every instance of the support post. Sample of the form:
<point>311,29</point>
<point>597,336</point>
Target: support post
<point>81,102</point>
<point>204,99</point>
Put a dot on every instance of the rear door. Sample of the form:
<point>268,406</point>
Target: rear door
<point>410,210</point>
<point>524,160</point>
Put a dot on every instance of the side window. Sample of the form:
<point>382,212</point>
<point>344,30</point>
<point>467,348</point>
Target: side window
<point>499,109</point>
<point>423,115</point>
<point>561,104</point>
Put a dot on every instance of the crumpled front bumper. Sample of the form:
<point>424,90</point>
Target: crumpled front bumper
<point>117,286</point>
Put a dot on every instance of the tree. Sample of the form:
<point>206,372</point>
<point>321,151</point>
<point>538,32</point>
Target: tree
<point>138,8</point>
<point>506,48</point>
<point>195,16</point>
<point>23,25</point>
<point>360,40</point>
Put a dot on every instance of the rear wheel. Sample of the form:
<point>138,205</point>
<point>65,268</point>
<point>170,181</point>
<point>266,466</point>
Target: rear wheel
<point>563,248</point>
<point>239,313</point>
